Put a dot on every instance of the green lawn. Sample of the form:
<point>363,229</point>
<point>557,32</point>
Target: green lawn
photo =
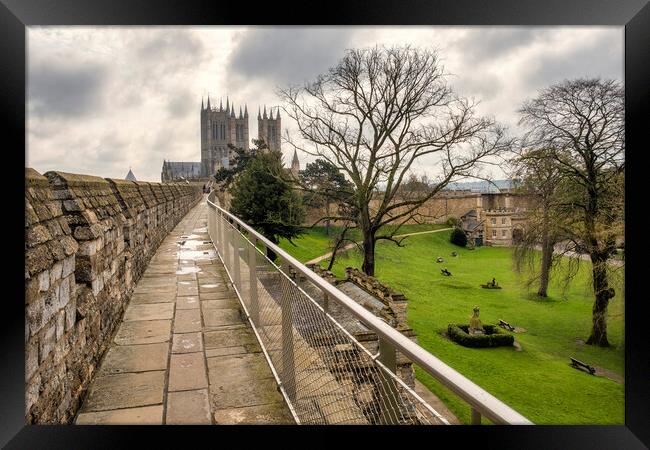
<point>315,241</point>
<point>537,381</point>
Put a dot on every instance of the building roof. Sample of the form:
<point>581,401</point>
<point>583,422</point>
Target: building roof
<point>183,168</point>
<point>130,176</point>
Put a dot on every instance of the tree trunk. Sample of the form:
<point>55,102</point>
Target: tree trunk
<point>547,258</point>
<point>368,266</point>
<point>603,293</point>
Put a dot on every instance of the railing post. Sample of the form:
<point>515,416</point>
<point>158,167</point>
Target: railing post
<point>288,365</point>
<point>236,241</point>
<point>226,238</point>
<point>389,407</point>
<point>326,302</point>
<point>476,417</point>
<point>252,270</point>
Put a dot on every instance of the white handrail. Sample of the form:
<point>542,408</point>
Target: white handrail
<point>478,398</point>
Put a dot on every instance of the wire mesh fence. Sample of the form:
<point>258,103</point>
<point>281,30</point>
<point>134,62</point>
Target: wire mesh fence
<point>326,374</point>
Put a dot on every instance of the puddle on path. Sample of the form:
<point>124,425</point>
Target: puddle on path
<point>188,270</point>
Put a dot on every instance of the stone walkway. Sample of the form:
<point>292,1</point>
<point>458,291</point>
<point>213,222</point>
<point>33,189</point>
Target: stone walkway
<point>184,353</point>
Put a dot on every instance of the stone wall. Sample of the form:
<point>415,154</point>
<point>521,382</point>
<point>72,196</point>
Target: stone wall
<point>87,242</point>
<point>393,311</point>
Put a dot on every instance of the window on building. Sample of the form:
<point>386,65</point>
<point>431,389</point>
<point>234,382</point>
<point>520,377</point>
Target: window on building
<point>494,221</point>
<point>503,221</point>
<point>503,233</point>
<point>494,233</point>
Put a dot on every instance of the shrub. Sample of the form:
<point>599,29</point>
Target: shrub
<point>458,237</point>
<point>452,221</point>
<point>493,336</point>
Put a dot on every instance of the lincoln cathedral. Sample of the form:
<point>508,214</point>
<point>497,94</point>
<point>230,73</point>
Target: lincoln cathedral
<point>219,127</point>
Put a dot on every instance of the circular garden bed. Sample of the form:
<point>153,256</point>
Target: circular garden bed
<point>492,337</point>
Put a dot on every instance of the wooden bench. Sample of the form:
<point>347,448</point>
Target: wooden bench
<point>583,366</point>
<point>506,325</point>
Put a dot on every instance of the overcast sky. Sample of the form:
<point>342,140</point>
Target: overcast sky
<point>103,99</point>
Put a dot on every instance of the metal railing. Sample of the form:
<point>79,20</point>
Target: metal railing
<point>309,332</point>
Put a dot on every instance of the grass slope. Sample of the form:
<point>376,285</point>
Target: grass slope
<point>315,241</point>
<point>537,381</point>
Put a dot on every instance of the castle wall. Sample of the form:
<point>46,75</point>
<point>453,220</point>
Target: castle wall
<point>88,241</point>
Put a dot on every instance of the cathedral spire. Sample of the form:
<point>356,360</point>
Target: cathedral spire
<point>221,104</point>
<point>202,108</point>
<point>246,111</point>
<point>259,112</point>
<point>240,114</point>
<point>277,116</point>
<point>232,110</point>
<point>264,116</point>
<point>227,104</point>
<point>271,115</point>
<point>208,102</point>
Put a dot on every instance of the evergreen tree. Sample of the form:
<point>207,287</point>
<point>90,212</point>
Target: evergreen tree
<point>266,201</point>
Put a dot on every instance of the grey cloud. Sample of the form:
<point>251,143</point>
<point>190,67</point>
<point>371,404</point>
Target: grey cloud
<point>482,45</point>
<point>602,58</point>
<point>288,55</point>
<point>181,104</point>
<point>66,91</point>
<point>172,47</point>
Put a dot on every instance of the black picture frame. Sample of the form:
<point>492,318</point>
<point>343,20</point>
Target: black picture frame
<point>16,15</point>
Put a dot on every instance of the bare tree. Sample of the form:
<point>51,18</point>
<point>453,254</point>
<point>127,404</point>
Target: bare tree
<point>376,113</point>
<point>581,122</point>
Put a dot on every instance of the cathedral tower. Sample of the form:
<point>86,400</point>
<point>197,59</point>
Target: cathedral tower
<point>220,127</point>
<point>269,129</point>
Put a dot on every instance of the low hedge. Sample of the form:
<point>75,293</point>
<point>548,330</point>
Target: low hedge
<point>493,336</point>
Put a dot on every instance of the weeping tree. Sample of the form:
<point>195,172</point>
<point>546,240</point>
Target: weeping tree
<point>581,123</point>
<point>541,183</point>
<point>374,116</point>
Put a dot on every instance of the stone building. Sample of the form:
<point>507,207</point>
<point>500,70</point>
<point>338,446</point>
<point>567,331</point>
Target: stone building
<point>496,220</point>
<point>219,128</point>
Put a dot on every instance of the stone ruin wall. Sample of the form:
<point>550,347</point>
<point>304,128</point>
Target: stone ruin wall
<point>394,312</point>
<point>88,240</point>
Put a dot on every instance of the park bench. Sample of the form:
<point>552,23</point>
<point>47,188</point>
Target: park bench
<point>506,325</point>
<point>583,366</point>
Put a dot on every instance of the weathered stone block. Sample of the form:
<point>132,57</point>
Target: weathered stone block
<point>69,245</point>
<point>31,357</point>
<point>44,280</point>
<point>63,222</point>
<point>86,233</point>
<point>57,250</point>
<point>46,341</point>
<point>68,266</point>
<point>60,324</point>
<point>56,272</point>
<point>38,259</point>
<point>73,205</point>
<point>64,292</point>
<point>32,392</point>
<point>38,234</point>
<point>70,315</point>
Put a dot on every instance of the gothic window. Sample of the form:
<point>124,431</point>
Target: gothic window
<point>494,233</point>
<point>503,233</point>
<point>503,221</point>
<point>494,221</point>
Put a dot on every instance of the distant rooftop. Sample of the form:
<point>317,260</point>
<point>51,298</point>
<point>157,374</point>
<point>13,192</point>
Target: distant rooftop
<point>489,187</point>
<point>130,176</point>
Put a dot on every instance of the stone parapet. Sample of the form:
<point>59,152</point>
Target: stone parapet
<point>87,242</point>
